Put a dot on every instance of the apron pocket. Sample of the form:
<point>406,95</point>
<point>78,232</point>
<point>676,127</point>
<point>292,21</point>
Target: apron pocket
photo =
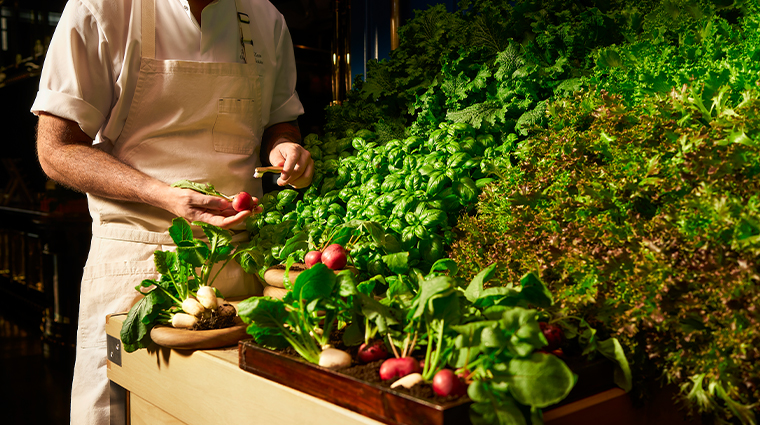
<point>234,129</point>
<point>106,289</point>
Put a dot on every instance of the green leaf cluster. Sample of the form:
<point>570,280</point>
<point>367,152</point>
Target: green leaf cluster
<point>644,221</point>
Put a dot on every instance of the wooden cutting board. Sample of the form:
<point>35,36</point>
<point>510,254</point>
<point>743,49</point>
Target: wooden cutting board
<point>185,339</point>
<point>274,276</point>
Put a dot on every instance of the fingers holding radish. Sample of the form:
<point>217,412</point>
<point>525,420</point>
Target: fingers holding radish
<point>243,201</point>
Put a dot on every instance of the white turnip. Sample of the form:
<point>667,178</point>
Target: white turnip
<point>334,257</point>
<point>312,257</point>
<point>375,350</point>
<point>191,306</point>
<point>398,367</point>
<point>408,381</point>
<point>446,383</point>
<point>333,358</point>
<point>183,320</point>
<point>207,297</point>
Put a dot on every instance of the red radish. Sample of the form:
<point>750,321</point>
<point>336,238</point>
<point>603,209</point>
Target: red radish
<point>553,334</point>
<point>312,257</point>
<point>334,257</point>
<point>243,202</point>
<point>373,351</point>
<point>446,383</point>
<point>398,367</point>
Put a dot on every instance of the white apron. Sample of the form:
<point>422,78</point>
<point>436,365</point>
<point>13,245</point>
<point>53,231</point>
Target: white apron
<point>199,121</point>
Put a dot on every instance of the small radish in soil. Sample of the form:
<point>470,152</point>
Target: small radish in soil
<point>334,257</point>
<point>408,381</point>
<point>183,320</point>
<point>398,367</point>
<point>333,358</point>
<point>553,334</point>
<point>312,257</point>
<point>207,297</point>
<point>243,201</point>
<point>446,383</point>
<point>375,350</point>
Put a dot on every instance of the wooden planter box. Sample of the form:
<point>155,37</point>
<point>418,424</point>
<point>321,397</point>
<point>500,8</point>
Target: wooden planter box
<point>382,403</point>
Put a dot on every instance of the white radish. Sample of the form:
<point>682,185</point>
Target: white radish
<point>207,297</point>
<point>332,358</point>
<point>408,381</point>
<point>183,320</point>
<point>193,307</point>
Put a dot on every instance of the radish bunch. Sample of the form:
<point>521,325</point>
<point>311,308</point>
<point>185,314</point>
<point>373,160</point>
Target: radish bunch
<point>334,257</point>
<point>205,305</point>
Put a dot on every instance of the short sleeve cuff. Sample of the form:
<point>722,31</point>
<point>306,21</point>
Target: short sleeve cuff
<point>70,108</point>
<point>290,110</point>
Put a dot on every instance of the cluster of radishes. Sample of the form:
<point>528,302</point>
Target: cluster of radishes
<point>203,305</point>
<point>406,370</point>
<point>334,257</point>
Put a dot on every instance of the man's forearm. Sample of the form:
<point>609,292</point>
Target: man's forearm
<point>279,133</point>
<point>66,156</point>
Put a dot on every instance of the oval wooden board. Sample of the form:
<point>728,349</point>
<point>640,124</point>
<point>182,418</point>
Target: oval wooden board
<point>185,339</point>
<point>274,276</point>
<point>275,292</point>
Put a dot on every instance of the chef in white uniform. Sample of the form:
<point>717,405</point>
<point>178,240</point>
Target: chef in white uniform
<point>138,94</point>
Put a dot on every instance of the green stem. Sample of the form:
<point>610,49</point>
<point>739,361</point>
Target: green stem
<point>182,293</point>
<point>219,271</point>
<point>431,364</point>
<point>428,351</point>
<point>300,349</point>
<point>169,294</point>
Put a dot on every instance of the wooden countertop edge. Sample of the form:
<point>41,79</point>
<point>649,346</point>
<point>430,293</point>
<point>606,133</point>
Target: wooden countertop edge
<point>224,361</point>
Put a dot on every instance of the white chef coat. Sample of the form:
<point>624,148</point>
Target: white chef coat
<point>95,69</point>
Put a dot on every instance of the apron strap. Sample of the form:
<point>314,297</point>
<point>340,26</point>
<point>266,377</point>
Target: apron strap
<point>148,30</point>
<point>244,22</point>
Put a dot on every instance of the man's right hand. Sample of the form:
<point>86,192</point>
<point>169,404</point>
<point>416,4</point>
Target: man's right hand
<point>67,156</point>
<point>194,206</point>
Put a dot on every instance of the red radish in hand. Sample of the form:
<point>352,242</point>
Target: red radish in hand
<point>446,383</point>
<point>334,257</point>
<point>243,202</point>
<point>553,334</point>
<point>373,351</point>
<point>312,257</point>
<point>398,367</point>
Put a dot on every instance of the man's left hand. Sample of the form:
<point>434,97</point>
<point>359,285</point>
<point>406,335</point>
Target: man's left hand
<point>297,165</point>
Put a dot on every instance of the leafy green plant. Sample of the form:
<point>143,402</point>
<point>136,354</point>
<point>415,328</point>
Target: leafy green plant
<point>184,273</point>
<point>640,222</point>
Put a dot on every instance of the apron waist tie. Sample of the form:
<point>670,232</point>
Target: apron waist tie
<point>122,233</point>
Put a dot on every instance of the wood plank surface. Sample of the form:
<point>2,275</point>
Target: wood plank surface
<point>142,412</point>
<point>208,387</point>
